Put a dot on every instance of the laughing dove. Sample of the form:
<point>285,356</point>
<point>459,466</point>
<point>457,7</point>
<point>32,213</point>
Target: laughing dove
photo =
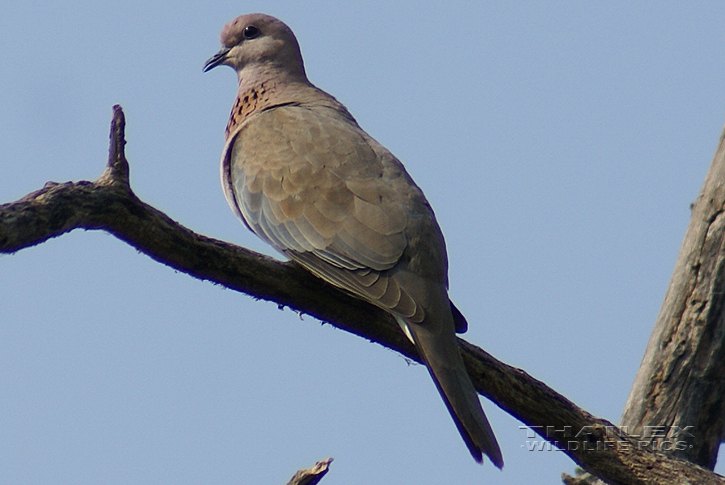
<point>304,177</point>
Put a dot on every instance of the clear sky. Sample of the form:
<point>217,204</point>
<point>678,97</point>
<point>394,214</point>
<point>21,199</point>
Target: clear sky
<point>560,144</point>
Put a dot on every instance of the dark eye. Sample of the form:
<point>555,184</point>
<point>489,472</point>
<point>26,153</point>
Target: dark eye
<point>250,32</point>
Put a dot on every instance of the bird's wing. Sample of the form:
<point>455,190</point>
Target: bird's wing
<point>312,184</point>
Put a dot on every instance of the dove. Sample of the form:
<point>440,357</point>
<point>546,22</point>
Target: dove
<point>306,178</point>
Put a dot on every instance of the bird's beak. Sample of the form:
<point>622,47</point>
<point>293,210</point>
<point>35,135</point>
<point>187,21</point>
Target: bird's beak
<point>217,59</point>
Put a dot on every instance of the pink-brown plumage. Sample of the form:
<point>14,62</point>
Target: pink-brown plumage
<point>303,176</point>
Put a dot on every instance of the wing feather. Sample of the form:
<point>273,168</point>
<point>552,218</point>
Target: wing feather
<point>296,178</point>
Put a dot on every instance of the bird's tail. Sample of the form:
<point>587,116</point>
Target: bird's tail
<point>439,348</point>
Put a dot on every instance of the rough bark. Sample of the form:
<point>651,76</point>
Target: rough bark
<point>311,476</point>
<point>681,380</point>
<point>109,204</point>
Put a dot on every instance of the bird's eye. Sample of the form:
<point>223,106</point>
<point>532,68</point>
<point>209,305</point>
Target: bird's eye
<point>250,32</point>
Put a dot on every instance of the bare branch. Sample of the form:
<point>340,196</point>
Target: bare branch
<point>313,475</point>
<point>109,204</point>
<point>117,171</point>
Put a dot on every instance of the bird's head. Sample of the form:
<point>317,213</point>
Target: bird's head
<point>256,44</point>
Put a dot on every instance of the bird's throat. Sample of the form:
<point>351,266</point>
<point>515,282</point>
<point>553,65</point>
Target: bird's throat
<point>249,101</point>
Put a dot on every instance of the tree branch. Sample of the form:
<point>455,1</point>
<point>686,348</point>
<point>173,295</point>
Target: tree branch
<point>311,476</point>
<point>109,204</point>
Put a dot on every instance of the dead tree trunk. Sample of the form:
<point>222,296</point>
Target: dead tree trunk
<point>677,396</point>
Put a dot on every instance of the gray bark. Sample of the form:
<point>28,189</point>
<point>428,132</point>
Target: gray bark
<point>681,381</point>
<point>311,476</point>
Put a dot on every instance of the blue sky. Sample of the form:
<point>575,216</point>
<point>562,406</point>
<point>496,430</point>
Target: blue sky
<point>559,143</point>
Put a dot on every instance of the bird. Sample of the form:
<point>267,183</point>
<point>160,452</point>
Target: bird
<point>306,178</point>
